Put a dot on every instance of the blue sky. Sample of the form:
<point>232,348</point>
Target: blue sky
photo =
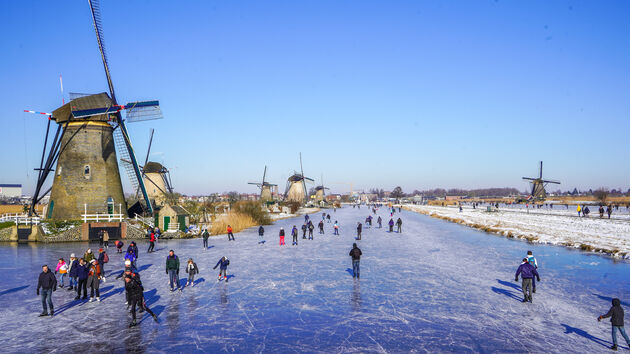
<point>378,93</point>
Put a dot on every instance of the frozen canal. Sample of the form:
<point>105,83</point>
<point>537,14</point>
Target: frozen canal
<point>437,286</point>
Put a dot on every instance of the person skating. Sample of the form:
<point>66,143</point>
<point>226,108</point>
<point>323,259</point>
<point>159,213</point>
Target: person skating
<point>134,249</point>
<point>601,211</point>
<point>328,217</point>
<point>135,293</point>
<point>106,239</point>
<point>72,274</point>
<point>355,253</point>
<point>311,227</point>
<point>527,273</point>
<point>172,269</point>
<point>399,225</point>
<point>281,234</point>
<point>205,235</point>
<point>48,284</point>
<point>223,263</point>
<point>191,270</point>
<point>103,258</point>
<point>336,228</point>
<point>62,269</point>
<point>321,227</point>
<point>579,210</point>
<point>94,279</point>
<point>151,242</point>
<point>229,233</point>
<point>82,275</point>
<point>261,235</point>
<point>609,211</point>
<point>88,256</point>
<point>294,234</point>
<point>379,221</point>
<point>616,320</point>
<point>532,260</point>
<point>391,225</point>
<point>304,228</point>
<point>359,229</point>
<point>119,246</point>
<point>129,256</point>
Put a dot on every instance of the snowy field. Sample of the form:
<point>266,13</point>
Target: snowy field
<point>557,226</point>
<point>437,287</point>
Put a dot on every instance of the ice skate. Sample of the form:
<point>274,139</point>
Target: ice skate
<point>132,324</point>
<point>43,314</point>
<point>98,299</point>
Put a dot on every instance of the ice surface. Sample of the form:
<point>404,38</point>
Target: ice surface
<point>437,286</point>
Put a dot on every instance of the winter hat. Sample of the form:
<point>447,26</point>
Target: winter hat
<point>354,245</point>
<point>93,261</point>
<point>100,250</point>
<point>72,255</point>
<point>127,263</point>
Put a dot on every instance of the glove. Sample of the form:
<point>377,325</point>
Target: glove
<point>54,289</point>
<point>538,279</point>
<point>599,318</point>
<point>167,272</point>
<point>515,279</point>
<point>37,291</point>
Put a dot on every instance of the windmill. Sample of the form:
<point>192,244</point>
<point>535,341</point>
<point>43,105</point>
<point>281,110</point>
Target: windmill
<point>320,191</point>
<point>156,177</point>
<point>296,186</point>
<point>90,132</point>
<point>265,188</point>
<point>538,185</point>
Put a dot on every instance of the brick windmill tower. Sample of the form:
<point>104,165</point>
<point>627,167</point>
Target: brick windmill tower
<point>90,136</point>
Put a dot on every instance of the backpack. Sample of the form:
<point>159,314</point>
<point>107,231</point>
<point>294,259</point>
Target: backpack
<point>105,258</point>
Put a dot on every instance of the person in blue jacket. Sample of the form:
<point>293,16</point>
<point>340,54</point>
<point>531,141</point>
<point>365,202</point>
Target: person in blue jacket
<point>527,273</point>
<point>133,248</point>
<point>82,274</point>
<point>223,263</point>
<point>131,257</point>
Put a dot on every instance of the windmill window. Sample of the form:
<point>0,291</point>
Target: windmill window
<point>87,171</point>
<point>59,171</point>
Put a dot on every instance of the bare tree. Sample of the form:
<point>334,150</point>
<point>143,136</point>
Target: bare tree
<point>601,194</point>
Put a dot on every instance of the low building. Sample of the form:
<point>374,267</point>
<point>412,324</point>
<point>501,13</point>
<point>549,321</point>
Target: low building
<point>172,217</point>
<point>8,191</point>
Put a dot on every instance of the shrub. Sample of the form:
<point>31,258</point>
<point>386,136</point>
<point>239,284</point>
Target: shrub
<point>238,222</point>
<point>6,224</point>
<point>253,210</point>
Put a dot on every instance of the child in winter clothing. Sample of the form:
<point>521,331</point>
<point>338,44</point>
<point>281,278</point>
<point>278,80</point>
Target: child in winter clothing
<point>336,227</point>
<point>88,256</point>
<point>281,236</point>
<point>62,269</point>
<point>72,274</point>
<point>191,269</point>
<point>616,319</point>
<point>224,263</point>
<point>532,260</point>
<point>119,246</point>
<point>230,234</point>
<point>94,278</point>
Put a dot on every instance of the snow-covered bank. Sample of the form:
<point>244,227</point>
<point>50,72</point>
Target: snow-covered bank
<point>589,234</point>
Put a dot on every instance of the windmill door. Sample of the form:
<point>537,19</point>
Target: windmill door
<point>167,220</point>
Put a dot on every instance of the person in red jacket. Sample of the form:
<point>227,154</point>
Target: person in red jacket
<point>230,234</point>
<point>152,242</point>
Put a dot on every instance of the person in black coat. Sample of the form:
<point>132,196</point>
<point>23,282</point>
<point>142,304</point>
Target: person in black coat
<point>47,282</point>
<point>355,253</point>
<point>359,229</point>
<point>135,293</point>
<point>616,319</point>
<point>82,274</point>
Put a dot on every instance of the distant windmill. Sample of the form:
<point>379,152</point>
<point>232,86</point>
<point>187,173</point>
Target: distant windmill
<point>90,132</point>
<point>265,187</point>
<point>296,186</point>
<point>320,191</point>
<point>538,185</point>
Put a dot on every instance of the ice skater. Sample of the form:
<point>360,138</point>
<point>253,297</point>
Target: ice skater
<point>281,234</point>
<point>47,283</point>
<point>311,227</point>
<point>328,217</point>
<point>336,228</point>
<point>527,272</point>
<point>119,246</point>
<point>616,320</point>
<point>103,258</point>
<point>355,253</point>
<point>304,228</point>
<point>391,225</point>
<point>205,235</point>
<point>72,275</point>
<point>223,263</point>
<point>294,233</point>
<point>399,225</point>
<point>151,242</point>
<point>172,269</point>
<point>230,234</point>
<point>62,269</point>
<point>261,235</point>
<point>191,270</point>
<point>321,227</point>
<point>379,221</point>
<point>532,260</point>
<point>135,295</point>
<point>131,258</point>
<point>94,279</point>
<point>82,275</point>
<point>359,229</point>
